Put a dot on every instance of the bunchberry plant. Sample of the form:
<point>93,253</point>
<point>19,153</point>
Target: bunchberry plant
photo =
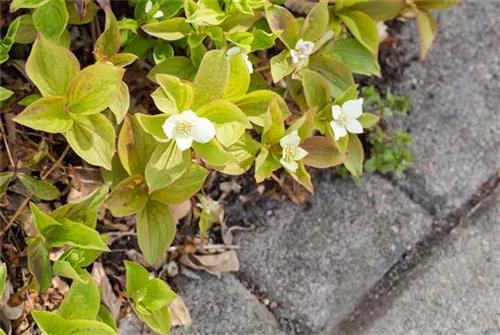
<point>238,85</point>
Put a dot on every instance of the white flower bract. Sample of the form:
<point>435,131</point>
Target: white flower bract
<point>234,51</point>
<point>187,127</point>
<point>291,151</point>
<point>303,49</point>
<point>345,118</point>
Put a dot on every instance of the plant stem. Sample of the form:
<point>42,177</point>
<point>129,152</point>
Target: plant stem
<point>28,198</point>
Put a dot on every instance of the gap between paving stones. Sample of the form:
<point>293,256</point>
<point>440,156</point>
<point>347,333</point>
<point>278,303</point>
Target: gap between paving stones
<point>373,303</point>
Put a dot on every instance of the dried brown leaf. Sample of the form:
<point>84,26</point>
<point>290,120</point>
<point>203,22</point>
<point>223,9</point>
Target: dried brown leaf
<point>108,297</point>
<point>215,264</point>
<point>179,313</point>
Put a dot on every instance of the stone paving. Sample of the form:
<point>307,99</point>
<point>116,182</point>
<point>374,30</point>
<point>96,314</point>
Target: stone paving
<point>319,261</point>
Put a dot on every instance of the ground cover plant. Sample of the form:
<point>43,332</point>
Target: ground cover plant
<point>234,86</point>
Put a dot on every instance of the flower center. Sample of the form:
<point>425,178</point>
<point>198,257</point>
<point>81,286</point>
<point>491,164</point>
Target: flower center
<point>184,127</point>
<point>343,119</point>
<point>289,153</point>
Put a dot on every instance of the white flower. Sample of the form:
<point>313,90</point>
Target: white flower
<point>291,151</point>
<point>303,49</point>
<point>234,51</point>
<point>149,6</point>
<point>158,14</point>
<point>345,118</point>
<point>187,127</point>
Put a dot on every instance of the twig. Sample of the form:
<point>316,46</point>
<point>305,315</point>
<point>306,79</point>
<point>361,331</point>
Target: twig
<point>11,160</point>
<point>28,198</point>
<point>206,247</point>
<point>263,68</point>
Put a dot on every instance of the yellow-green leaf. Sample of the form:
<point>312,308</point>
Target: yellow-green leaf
<point>51,67</point>
<point>153,124</point>
<point>363,28</point>
<point>283,22</point>
<point>316,22</point>
<point>121,103</point>
<point>354,161</point>
<point>135,146</point>
<point>40,188</point>
<point>51,19</point>
<point>46,114</point>
<point>128,197</point>
<point>169,30</point>
<point>321,152</point>
<point>239,78</point>
<point>427,30</point>
<point>166,165</point>
<point>156,229</point>
<point>94,88</point>
<point>108,44</point>
<point>82,300</point>
<point>92,137</point>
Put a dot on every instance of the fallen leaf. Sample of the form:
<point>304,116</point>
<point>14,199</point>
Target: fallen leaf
<point>182,210</point>
<point>215,264</point>
<point>108,297</point>
<point>179,313</point>
<point>6,310</point>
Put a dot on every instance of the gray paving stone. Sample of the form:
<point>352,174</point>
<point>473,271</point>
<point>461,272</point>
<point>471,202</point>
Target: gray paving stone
<point>458,290</point>
<point>225,307</point>
<point>455,93</point>
<point>317,260</point>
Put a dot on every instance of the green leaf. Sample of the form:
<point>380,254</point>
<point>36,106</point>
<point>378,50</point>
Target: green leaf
<point>356,57</point>
<point>211,79</point>
<point>363,28</point>
<point>65,269</point>
<point>74,16</point>
<point>213,153</point>
<point>263,40</point>
<point>35,158</point>
<point>153,124</point>
<point>158,295</point>
<point>303,177</point>
<point>51,19</point>
<point>168,30</point>
<point>228,133</point>
<point>175,96</point>
<point>82,300</point>
<point>239,78</point>
<point>222,111</point>
<point>337,75</point>
<point>316,22</point>
<point>274,128</point>
<point>207,13</point>
<point>45,60</point>
<point>316,88</point>
<point>427,30</point>
<point>108,44</point>
<point>94,88</point>
<point>350,93</point>
<point>53,324</point>
<point>128,197</point>
<point>183,188</point>
<point>29,99</point>
<point>354,161</point>
<point>281,66</point>
<point>3,277</point>
<point>117,173</point>
<point>367,119</point>
<point>255,105</point>
<point>135,146</point>
<point>380,10</point>
<point>121,103</point>
<point>123,59</point>
<point>435,4</point>
<point>4,182</point>
<point>82,257</point>
<point>43,222</point>
<point>75,234</point>
<point>26,33</point>
<point>8,41</point>
<point>92,137</point>
<point>105,316</point>
<point>177,66</point>
<point>282,22</point>
<point>40,188</point>
<point>39,263</point>
<point>155,230</point>
<point>83,210</point>
<point>5,93</point>
<point>137,279</point>
<point>162,51</point>
<point>265,165</point>
<point>321,152</point>
<point>167,164</point>
<point>46,114</point>
<point>244,151</point>
<point>158,320</point>
<point>16,4</point>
